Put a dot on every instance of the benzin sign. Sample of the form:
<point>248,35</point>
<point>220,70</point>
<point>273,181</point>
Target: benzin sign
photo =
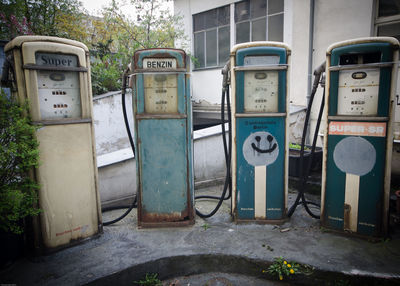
<point>159,63</point>
<point>374,129</point>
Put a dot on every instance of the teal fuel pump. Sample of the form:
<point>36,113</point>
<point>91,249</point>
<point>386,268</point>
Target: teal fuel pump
<point>163,138</point>
<point>259,73</point>
<point>361,81</point>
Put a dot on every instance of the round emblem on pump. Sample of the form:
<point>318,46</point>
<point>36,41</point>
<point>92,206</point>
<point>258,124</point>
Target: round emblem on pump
<point>260,149</point>
<point>354,155</point>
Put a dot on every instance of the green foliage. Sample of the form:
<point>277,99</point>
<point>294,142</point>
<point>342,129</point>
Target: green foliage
<point>296,146</point>
<point>283,268</point>
<point>149,280</point>
<point>112,38</point>
<point>44,17</point>
<point>106,74</point>
<point>18,155</point>
<point>206,226</point>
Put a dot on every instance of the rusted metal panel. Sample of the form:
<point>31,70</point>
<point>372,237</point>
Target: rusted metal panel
<point>356,163</point>
<point>162,116</point>
<point>67,175</point>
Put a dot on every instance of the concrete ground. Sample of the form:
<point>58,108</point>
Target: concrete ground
<point>214,251</point>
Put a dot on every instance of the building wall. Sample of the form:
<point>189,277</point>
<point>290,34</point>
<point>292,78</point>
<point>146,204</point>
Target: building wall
<point>206,84</point>
<point>336,21</point>
<point>109,123</point>
<point>333,21</point>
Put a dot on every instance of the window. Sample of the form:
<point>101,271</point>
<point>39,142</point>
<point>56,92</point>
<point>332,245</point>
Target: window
<point>212,37</point>
<point>259,20</point>
<point>387,22</point>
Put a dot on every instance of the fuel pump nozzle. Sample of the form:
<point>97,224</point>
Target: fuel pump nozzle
<point>226,75</point>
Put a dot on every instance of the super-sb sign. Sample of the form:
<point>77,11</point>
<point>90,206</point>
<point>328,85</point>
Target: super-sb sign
<point>375,129</point>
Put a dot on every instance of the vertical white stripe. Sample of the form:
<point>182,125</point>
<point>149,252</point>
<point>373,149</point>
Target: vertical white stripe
<point>352,190</point>
<point>260,191</point>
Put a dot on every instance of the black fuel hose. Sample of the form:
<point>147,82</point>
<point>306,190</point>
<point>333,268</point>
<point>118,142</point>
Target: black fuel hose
<point>303,176</point>
<point>128,130</point>
<point>227,152</point>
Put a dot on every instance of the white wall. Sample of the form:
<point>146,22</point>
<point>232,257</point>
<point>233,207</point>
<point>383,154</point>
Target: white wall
<point>109,126</point>
<point>117,170</point>
<point>297,26</point>
<point>336,21</point>
<point>206,84</point>
<point>206,87</point>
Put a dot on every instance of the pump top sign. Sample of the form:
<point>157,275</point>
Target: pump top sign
<point>159,63</point>
<point>56,60</point>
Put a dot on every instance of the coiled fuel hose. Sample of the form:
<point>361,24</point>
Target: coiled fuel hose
<point>305,170</point>
<point>227,149</point>
<point>134,203</point>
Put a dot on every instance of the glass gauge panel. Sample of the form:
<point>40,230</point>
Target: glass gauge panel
<point>59,95</point>
<point>358,92</point>
<point>261,91</point>
<point>161,93</point>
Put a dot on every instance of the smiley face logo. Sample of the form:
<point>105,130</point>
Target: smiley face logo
<point>260,149</point>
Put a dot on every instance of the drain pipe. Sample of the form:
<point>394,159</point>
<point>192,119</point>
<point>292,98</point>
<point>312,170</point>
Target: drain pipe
<point>310,58</point>
<point>310,49</point>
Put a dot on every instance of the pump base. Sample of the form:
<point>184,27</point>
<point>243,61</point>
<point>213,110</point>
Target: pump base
<point>261,221</point>
<point>182,223</point>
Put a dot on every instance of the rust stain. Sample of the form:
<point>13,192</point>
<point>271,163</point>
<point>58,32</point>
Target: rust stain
<point>160,218</point>
<point>346,217</point>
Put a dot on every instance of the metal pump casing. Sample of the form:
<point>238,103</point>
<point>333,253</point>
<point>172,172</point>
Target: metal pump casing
<point>163,138</point>
<point>53,75</point>
<point>361,82</point>
<point>259,81</point>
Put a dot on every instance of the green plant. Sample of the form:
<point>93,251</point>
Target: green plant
<point>205,226</point>
<point>18,155</point>
<point>106,74</point>
<point>282,268</point>
<point>150,280</point>
<point>296,146</point>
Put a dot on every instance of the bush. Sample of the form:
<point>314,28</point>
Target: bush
<point>106,75</point>
<point>18,155</point>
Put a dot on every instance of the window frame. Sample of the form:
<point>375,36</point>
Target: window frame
<point>251,20</point>
<point>383,20</point>
<point>204,31</point>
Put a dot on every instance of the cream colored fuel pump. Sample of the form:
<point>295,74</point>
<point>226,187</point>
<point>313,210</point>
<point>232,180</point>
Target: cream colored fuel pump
<point>53,75</point>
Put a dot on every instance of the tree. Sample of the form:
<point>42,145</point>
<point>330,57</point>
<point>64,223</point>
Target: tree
<point>40,17</point>
<point>153,27</point>
<point>116,33</point>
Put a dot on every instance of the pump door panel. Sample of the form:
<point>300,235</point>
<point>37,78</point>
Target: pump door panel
<point>59,91</point>
<point>358,92</point>
<point>161,93</point>
<point>261,91</point>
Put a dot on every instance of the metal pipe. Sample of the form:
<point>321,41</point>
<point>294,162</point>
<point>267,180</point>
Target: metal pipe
<point>310,48</point>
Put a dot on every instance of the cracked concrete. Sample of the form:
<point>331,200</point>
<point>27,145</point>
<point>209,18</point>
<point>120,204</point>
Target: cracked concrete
<point>124,253</point>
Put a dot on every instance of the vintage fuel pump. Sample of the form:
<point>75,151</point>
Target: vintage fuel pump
<point>361,82</point>
<point>53,75</point>
<point>163,137</point>
<point>259,72</point>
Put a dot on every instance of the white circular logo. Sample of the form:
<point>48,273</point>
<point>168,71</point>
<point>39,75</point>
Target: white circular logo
<point>260,149</point>
<point>354,155</point>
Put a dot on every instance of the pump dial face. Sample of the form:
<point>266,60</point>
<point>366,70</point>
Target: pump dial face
<point>59,94</point>
<point>358,92</point>
<point>161,93</point>
<point>261,91</point>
